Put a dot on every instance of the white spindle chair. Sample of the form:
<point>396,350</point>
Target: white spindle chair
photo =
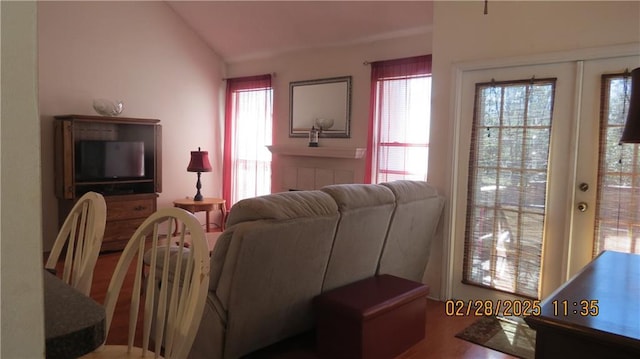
<point>82,233</point>
<point>184,282</point>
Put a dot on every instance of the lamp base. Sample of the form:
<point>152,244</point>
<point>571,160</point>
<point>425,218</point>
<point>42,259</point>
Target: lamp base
<point>198,196</point>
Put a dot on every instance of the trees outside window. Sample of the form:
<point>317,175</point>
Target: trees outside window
<point>507,186</point>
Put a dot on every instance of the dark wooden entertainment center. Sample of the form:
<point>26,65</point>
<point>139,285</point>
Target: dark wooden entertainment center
<point>129,199</point>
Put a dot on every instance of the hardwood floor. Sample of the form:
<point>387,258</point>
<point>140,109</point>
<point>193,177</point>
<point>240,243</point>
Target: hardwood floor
<point>440,341</point>
<point>102,275</point>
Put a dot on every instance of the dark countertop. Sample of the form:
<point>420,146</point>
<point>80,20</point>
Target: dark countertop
<point>602,302</point>
<point>74,323</point>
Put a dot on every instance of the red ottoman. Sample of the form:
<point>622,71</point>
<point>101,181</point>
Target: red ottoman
<point>375,318</point>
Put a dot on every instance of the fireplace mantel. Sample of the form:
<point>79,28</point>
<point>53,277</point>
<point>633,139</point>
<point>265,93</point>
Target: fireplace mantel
<point>327,152</point>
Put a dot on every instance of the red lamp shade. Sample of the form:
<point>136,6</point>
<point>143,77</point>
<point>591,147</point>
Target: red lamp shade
<point>631,133</point>
<point>199,161</point>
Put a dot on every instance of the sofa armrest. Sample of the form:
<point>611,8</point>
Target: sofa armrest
<point>418,211</point>
<point>218,256</point>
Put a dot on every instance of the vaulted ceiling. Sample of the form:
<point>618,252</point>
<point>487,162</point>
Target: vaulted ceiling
<point>243,30</point>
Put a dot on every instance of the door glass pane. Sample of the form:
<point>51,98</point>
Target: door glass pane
<point>618,204</point>
<point>507,188</point>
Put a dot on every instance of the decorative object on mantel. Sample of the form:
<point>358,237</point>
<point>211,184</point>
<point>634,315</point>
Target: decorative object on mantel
<point>322,103</point>
<point>199,163</point>
<point>631,133</point>
<point>314,133</point>
<point>313,137</point>
<point>108,108</point>
<point>324,124</point>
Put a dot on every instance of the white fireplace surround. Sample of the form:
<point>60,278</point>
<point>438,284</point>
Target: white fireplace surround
<point>308,168</point>
<point>329,152</point>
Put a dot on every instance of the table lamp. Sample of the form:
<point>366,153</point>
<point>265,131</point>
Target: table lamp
<point>631,133</point>
<point>199,163</point>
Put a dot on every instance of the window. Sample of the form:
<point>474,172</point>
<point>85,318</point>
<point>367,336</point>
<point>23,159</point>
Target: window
<point>618,204</point>
<point>248,123</point>
<point>399,123</point>
<point>507,185</point>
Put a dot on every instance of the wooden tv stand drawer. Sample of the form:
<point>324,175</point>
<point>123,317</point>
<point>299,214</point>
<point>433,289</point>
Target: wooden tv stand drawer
<point>124,214</point>
<point>131,206</point>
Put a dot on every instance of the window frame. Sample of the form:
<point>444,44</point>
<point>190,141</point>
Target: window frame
<point>236,86</point>
<point>384,72</point>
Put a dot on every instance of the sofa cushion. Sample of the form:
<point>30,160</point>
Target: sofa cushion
<point>365,212</point>
<point>415,220</point>
<point>278,267</point>
<point>217,257</point>
<point>276,249</point>
<point>281,206</point>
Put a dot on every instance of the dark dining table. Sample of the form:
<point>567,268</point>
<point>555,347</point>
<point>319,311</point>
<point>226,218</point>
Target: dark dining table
<point>596,314</point>
<point>74,324</point>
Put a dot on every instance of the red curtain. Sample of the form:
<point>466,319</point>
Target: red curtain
<point>383,73</point>
<point>248,111</point>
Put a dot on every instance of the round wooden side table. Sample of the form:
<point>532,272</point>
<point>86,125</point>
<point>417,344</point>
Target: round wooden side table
<point>206,205</point>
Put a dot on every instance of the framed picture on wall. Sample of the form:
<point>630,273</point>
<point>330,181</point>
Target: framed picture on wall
<point>323,103</point>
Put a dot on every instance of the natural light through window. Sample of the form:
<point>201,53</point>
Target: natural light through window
<point>247,161</point>
<point>507,185</point>
<point>618,203</point>
<point>401,112</point>
<point>252,163</point>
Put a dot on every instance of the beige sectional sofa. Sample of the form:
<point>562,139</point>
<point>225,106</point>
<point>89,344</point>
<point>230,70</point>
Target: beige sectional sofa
<point>281,250</point>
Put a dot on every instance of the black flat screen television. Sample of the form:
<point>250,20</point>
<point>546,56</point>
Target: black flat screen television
<point>104,160</point>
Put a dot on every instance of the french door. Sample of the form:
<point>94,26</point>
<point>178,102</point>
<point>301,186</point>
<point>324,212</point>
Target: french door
<point>525,208</point>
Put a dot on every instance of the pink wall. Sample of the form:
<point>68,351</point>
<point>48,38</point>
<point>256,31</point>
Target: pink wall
<point>140,53</point>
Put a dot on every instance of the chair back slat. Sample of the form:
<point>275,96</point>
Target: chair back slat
<point>174,302</point>
<point>135,296</point>
<point>81,255</point>
<point>81,233</point>
<point>150,292</point>
<point>69,263</point>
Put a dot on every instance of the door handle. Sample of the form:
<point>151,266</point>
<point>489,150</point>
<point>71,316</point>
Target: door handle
<point>582,207</point>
